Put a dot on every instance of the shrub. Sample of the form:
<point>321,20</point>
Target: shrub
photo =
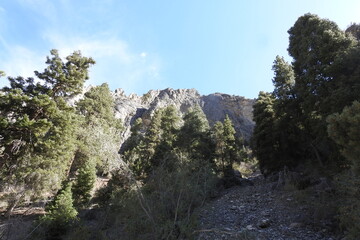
<point>164,207</point>
<point>84,184</point>
<point>60,214</point>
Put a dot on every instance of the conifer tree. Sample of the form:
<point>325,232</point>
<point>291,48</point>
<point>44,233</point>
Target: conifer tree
<point>61,212</point>
<point>315,45</point>
<point>226,149</point>
<point>194,135</point>
<point>264,139</point>
<point>100,130</point>
<point>344,129</point>
<point>38,128</point>
<point>84,183</point>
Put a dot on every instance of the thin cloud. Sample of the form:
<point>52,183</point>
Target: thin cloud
<point>21,61</point>
<point>116,62</point>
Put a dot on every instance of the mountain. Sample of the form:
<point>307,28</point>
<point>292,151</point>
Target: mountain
<point>215,106</point>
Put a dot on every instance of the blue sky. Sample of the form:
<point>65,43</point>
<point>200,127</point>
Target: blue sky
<point>223,46</point>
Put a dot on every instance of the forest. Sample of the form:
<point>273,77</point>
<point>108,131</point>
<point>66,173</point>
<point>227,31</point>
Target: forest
<point>59,144</point>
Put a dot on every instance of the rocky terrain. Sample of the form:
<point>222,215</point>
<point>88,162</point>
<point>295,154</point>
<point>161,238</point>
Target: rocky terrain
<point>215,106</point>
<point>261,212</point>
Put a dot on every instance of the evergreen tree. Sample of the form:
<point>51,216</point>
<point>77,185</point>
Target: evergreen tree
<point>314,44</point>
<point>284,79</point>
<point>354,30</point>
<point>226,150</point>
<point>38,127</point>
<point>99,138</point>
<point>344,129</point>
<point>61,213</point>
<point>287,130</point>
<point>84,183</point>
<point>264,139</point>
<point>194,135</point>
<point>169,127</point>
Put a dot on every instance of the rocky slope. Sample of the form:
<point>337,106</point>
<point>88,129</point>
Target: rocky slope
<point>260,212</point>
<point>215,106</point>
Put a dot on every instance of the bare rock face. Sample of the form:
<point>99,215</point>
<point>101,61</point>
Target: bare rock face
<point>215,106</point>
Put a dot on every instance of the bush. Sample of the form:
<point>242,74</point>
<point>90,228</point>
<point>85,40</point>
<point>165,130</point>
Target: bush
<point>164,207</point>
<point>84,184</point>
<point>349,207</point>
<point>60,214</point>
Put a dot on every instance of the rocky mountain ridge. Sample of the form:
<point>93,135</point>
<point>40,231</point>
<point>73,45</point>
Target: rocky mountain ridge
<point>215,106</point>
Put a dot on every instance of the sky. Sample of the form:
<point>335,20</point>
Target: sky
<point>225,46</point>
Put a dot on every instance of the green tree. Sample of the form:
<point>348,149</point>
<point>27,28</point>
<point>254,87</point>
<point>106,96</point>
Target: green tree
<point>38,128</point>
<point>194,135</point>
<point>264,138</point>
<point>99,136</point>
<point>141,156</point>
<point>169,128</point>
<point>65,79</point>
<point>354,30</point>
<point>315,45</point>
<point>344,129</point>
<point>287,130</point>
<point>84,183</point>
<point>60,213</point>
<point>226,149</point>
<point>284,79</point>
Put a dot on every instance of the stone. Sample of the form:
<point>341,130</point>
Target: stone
<point>234,208</point>
<point>264,223</point>
<point>250,227</point>
<point>295,225</point>
<point>215,106</point>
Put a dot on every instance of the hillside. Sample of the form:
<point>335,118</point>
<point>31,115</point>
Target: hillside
<point>215,107</point>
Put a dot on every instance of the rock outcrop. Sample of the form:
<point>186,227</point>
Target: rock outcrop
<point>215,106</point>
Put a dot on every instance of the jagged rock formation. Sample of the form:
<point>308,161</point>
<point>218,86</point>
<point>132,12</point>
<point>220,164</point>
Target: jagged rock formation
<point>215,106</point>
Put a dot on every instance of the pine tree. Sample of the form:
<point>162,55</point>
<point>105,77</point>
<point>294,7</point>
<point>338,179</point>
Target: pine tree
<point>344,129</point>
<point>288,126</point>
<point>61,213</point>
<point>84,183</point>
<point>264,139</point>
<point>38,127</point>
<point>315,44</point>
<point>226,149</point>
<point>194,135</point>
<point>100,131</point>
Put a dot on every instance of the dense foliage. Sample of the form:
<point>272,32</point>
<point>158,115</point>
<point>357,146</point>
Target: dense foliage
<point>173,165</point>
<point>309,121</point>
<point>38,128</point>
<point>59,138</point>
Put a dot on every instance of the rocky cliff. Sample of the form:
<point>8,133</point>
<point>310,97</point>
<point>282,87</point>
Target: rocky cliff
<point>215,106</point>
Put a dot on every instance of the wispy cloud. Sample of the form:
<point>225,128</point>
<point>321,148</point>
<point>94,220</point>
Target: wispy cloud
<point>20,61</point>
<point>116,62</point>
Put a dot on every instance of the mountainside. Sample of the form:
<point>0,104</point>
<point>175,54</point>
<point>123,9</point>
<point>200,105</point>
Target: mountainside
<point>215,106</point>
